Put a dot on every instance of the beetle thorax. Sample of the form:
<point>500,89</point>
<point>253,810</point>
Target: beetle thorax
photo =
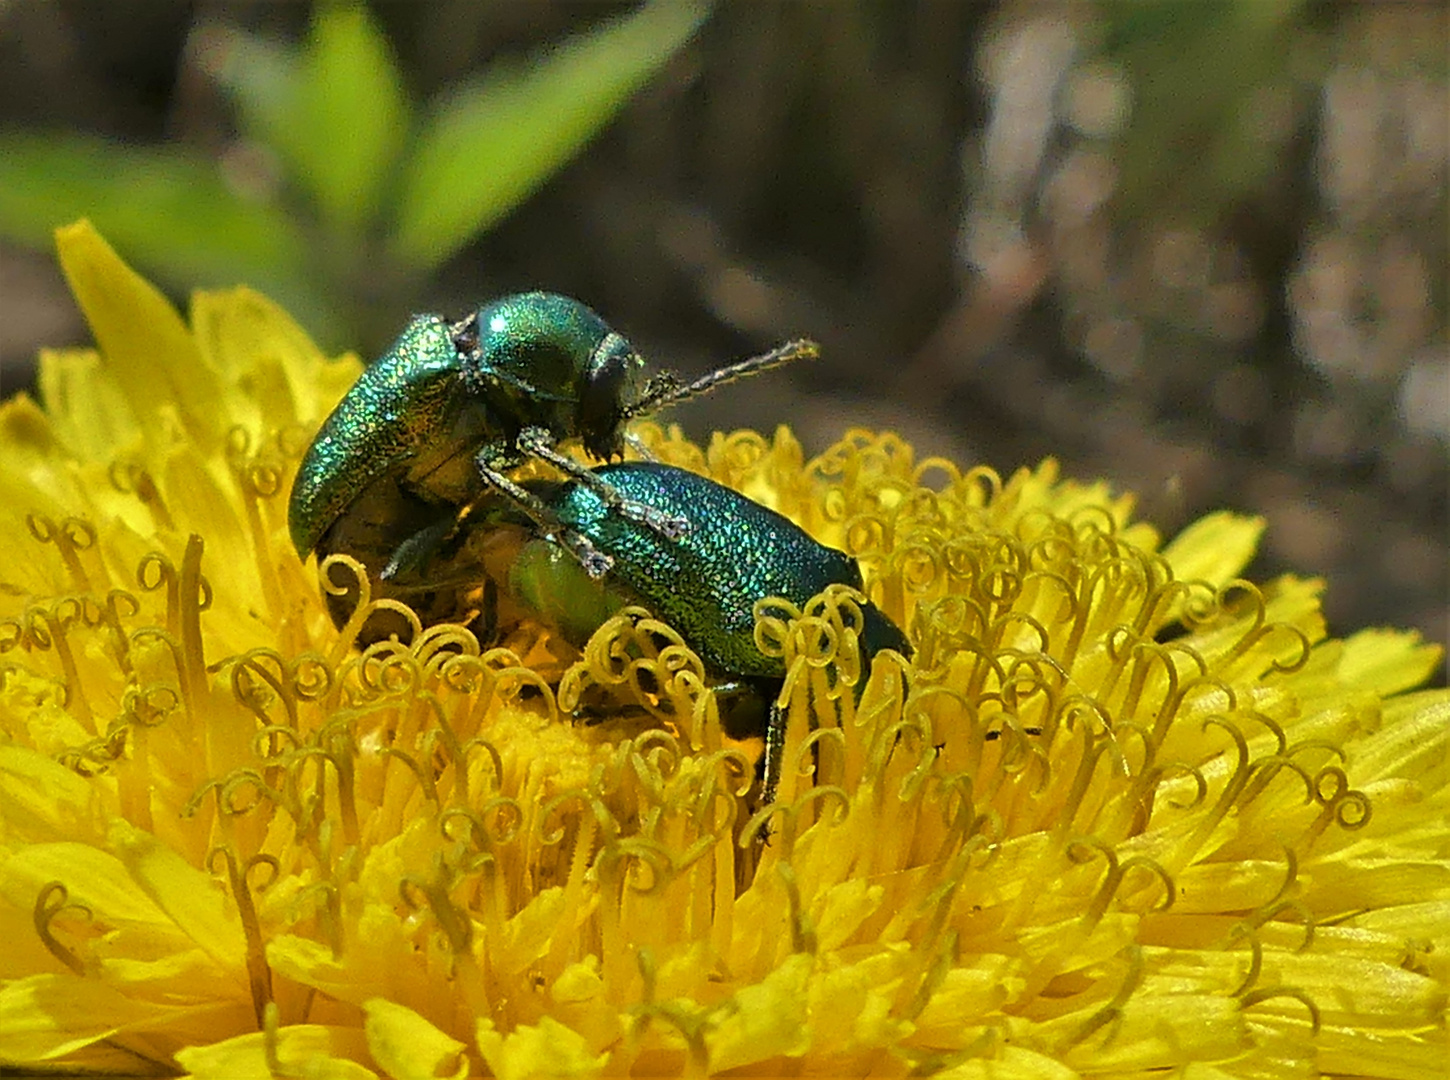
<point>525,380</point>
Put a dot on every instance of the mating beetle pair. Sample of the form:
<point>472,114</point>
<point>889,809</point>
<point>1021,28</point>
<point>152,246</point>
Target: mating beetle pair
<point>409,475</point>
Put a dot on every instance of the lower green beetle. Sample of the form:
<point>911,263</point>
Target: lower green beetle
<point>705,584</point>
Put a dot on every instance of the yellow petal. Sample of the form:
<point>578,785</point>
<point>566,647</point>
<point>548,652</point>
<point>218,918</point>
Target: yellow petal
<point>1387,661</point>
<point>93,878</point>
<point>37,477</point>
<point>44,1017</point>
<point>191,899</point>
<point>1018,1063</point>
<point>1215,548</point>
<point>148,349</point>
<point>854,1004</point>
<point>976,989</point>
<point>846,906</point>
<point>89,411</point>
<point>304,1051</point>
<point>407,1047</point>
<point>535,1051</point>
<point>1352,1051</point>
<point>1414,742</point>
<point>1155,1029</point>
<point>770,1019</point>
<point>42,801</point>
<point>236,327</point>
<point>354,976</point>
<point>260,352</point>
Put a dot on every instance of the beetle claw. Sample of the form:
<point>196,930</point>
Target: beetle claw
<point>595,562</point>
<point>675,528</point>
<point>670,526</point>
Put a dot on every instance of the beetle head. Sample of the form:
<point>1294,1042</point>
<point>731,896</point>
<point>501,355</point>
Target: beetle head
<point>613,380</point>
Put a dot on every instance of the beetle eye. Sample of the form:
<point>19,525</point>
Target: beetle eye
<point>613,382</point>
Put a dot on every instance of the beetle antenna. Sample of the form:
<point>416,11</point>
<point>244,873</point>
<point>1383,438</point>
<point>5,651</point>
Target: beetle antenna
<point>665,389</point>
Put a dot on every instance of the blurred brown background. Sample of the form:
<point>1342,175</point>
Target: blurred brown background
<point>1197,248</point>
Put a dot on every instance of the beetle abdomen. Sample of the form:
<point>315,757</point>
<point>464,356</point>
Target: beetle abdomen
<point>394,409</point>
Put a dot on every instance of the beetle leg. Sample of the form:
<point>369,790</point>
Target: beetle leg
<point>488,613</point>
<point>408,566</point>
<point>540,443</point>
<point>638,445</point>
<point>596,564</point>
<point>771,764</point>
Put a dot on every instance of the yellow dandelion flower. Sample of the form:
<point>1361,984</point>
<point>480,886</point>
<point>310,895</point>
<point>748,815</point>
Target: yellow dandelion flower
<point>1122,813</point>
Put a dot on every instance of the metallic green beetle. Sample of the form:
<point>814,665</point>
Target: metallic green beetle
<point>704,584</point>
<point>452,407</point>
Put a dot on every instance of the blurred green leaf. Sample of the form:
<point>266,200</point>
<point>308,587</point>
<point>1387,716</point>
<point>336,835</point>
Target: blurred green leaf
<point>1201,74</point>
<point>352,115</point>
<point>169,211</point>
<point>486,148</point>
<point>335,112</point>
<point>259,76</point>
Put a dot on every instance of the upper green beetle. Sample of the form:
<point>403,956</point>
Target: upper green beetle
<point>453,406</point>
